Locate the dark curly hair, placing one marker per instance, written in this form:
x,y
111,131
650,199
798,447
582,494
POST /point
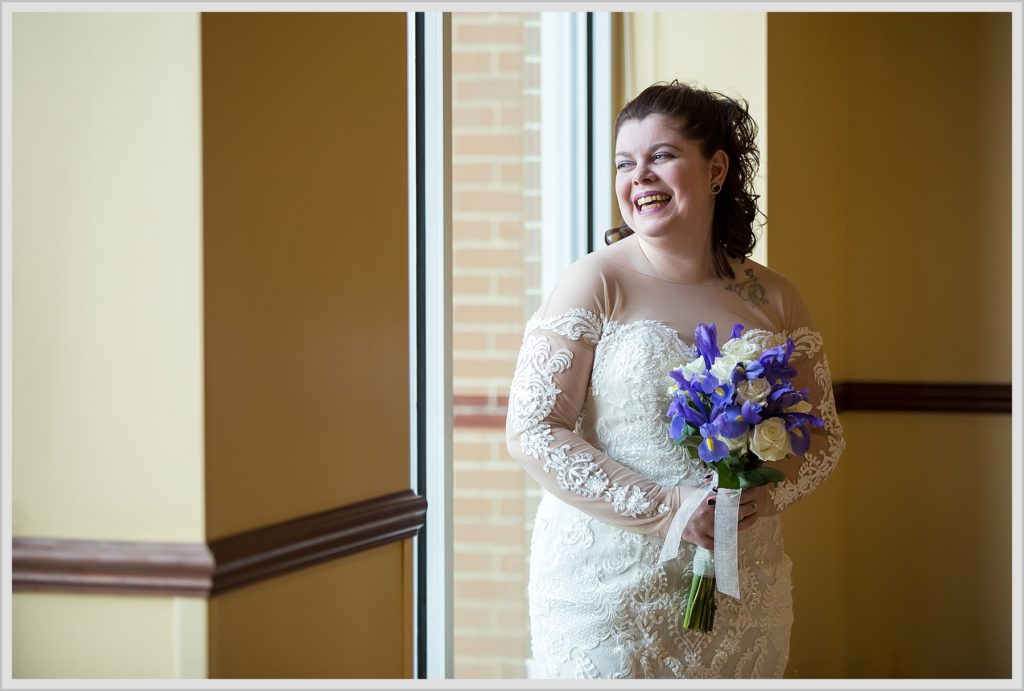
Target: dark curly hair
x,y
716,122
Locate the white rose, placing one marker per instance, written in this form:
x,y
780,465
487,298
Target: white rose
x,y
738,443
753,390
741,349
771,440
735,351
723,367
694,368
801,407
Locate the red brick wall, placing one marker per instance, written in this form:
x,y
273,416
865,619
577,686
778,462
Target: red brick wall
x,y
496,278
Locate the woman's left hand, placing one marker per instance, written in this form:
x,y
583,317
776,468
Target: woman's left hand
x,y
753,500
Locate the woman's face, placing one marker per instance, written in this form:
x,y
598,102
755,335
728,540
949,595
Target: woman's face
x,y
662,180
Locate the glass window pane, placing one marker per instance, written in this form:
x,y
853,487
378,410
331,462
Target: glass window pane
x,y
495,288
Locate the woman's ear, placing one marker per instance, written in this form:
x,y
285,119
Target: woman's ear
x,y
719,166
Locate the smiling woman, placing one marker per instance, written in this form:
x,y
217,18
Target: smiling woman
x,y
587,413
693,147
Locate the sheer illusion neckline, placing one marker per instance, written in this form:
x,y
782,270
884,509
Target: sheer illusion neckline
x,y
649,273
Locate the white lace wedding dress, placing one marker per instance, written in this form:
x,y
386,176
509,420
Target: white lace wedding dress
x,y
587,421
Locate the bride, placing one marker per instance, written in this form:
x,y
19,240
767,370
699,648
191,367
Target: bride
x,y
587,411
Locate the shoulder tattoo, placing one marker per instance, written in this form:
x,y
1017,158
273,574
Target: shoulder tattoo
x,y
750,290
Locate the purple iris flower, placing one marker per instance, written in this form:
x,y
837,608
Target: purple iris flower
x,y
678,404
706,340
678,425
681,408
712,449
708,383
775,362
677,376
694,409
737,330
799,439
721,394
735,420
694,388
782,397
747,370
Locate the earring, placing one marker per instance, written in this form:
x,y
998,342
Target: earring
x,y
715,188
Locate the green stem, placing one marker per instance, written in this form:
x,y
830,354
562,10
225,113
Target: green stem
x,y
700,607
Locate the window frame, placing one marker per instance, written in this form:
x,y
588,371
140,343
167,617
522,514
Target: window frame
x,y
430,253
576,53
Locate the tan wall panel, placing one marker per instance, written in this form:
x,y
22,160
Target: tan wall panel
x,y
930,189
928,536
912,553
891,212
814,531
344,619
304,164
808,185
894,193
106,241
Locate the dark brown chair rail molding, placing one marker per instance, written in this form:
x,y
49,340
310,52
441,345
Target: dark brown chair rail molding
x,y
935,397
94,566
275,549
159,568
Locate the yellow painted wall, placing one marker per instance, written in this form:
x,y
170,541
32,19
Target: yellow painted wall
x,y
721,51
106,248
107,326
306,291
58,635
891,197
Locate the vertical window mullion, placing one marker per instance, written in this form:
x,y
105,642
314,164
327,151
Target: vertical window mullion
x,y
417,305
430,155
601,144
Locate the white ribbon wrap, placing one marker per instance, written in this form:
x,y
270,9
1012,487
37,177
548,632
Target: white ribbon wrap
x,y
724,565
727,515
675,529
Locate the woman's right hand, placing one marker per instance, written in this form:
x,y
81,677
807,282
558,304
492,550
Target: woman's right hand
x,y
700,529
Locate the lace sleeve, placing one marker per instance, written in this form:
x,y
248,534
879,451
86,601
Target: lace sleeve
x,y
827,444
548,390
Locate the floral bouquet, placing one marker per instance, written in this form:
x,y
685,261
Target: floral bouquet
x,y
738,408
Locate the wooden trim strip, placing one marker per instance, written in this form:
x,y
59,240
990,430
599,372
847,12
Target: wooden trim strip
x,y
925,397
258,554
198,570
93,566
